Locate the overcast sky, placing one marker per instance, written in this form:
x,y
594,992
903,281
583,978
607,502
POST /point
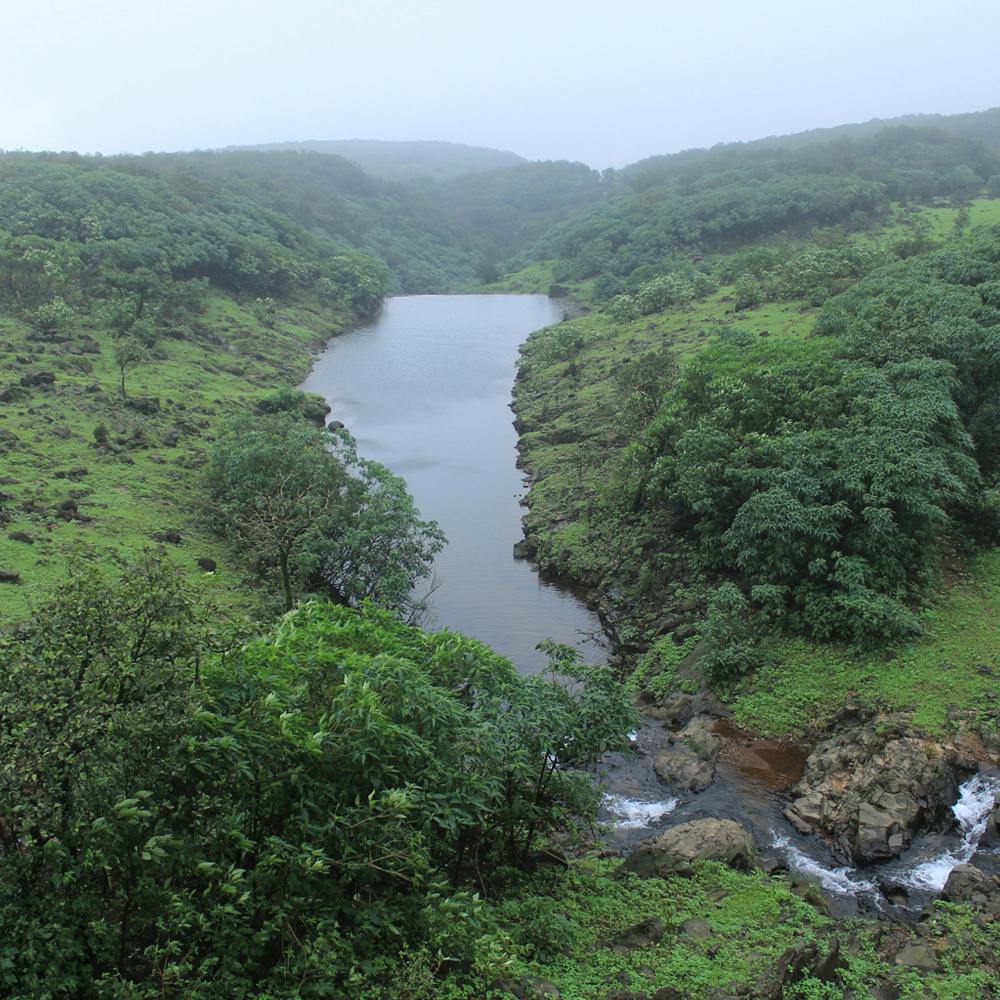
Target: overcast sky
x,y
603,82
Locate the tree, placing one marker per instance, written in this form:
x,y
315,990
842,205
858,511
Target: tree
x,y
301,499
382,547
130,352
273,484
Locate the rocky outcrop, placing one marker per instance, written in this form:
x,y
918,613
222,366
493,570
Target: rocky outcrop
x,y
871,788
677,850
975,885
688,765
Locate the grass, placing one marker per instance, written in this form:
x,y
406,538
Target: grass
x,y
561,926
951,674
145,484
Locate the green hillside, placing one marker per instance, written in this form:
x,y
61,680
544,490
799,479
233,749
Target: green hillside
x,y
405,161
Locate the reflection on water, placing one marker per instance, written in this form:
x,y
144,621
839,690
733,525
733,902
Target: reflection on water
x,y
425,389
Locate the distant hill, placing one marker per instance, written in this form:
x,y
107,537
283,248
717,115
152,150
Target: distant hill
x,y
406,161
982,127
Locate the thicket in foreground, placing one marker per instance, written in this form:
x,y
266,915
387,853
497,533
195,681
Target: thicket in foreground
x,y
186,813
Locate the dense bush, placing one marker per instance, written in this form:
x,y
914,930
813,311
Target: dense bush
x,y
824,471
300,501
188,815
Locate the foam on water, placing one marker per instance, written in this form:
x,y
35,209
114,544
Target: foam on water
x,y
972,811
633,814
844,881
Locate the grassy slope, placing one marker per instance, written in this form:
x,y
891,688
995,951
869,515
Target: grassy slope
x,y
571,409
145,487
562,926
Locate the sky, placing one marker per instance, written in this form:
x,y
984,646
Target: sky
x,y
605,83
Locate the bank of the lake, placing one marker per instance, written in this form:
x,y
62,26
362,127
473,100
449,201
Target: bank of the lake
x,y
425,389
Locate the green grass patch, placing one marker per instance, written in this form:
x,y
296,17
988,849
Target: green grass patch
x,y
949,674
147,482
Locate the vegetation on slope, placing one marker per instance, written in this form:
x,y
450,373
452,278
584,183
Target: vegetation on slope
x,y
743,447
138,311
406,161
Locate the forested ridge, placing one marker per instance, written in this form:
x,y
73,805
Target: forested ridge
x,y
233,762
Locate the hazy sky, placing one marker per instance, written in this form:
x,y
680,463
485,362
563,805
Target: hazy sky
x,y
604,82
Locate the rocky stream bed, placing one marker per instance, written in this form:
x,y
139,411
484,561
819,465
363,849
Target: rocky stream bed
x,y
882,820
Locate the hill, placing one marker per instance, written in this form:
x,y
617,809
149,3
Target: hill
x,y
405,161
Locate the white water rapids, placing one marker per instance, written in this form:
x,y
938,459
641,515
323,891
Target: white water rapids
x,y
976,800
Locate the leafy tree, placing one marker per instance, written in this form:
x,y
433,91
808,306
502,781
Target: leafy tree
x,y
188,813
130,353
273,485
304,503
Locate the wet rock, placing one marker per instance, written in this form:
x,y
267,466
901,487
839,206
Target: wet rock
x,y
870,789
148,405
918,956
525,549
978,888
991,835
335,425
676,851
36,380
684,770
528,988
689,765
895,892
207,565
21,536
641,935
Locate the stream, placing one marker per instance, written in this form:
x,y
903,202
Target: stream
x,y
425,388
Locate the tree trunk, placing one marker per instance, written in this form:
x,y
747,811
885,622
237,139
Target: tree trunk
x,y
286,583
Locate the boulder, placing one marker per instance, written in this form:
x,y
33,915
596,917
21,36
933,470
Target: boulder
x,y
528,988
171,535
207,565
918,956
978,888
9,576
14,394
642,935
678,849
697,928
684,770
525,549
871,788
689,764
148,405
36,380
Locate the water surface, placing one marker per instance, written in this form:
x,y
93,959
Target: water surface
x,y
425,389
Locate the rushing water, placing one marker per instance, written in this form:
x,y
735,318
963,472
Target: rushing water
x,y
425,389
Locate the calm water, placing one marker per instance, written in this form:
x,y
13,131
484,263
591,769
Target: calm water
x,y
425,389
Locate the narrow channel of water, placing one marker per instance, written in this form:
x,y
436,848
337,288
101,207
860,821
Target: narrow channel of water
x,y
425,389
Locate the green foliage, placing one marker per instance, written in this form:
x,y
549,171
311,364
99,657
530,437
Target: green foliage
x,y
301,501
827,470
727,633
111,234
655,670
189,814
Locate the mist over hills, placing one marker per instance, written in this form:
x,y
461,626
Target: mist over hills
x,y
404,161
